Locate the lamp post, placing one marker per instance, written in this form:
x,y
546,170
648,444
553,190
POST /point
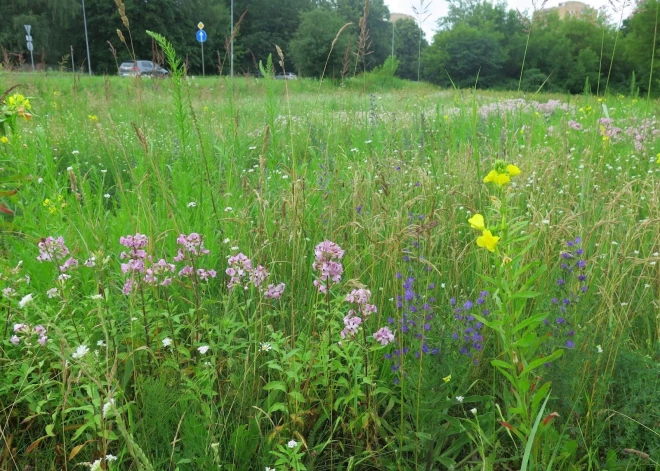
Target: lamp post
x,y
89,63
231,42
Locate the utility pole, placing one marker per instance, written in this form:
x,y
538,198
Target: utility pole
x,y
231,42
73,64
30,47
89,63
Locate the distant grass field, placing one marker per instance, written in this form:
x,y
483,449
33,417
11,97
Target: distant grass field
x,y
165,367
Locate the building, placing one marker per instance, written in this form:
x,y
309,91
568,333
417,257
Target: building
x,y
394,17
570,9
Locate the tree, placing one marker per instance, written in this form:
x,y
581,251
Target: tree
x,y
642,40
314,41
462,54
406,41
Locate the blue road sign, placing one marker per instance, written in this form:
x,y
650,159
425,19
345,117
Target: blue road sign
x,y
201,35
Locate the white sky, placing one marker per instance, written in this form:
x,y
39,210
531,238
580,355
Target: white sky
x,y
438,8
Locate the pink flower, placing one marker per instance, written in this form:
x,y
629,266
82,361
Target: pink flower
x,y
327,256
71,263
42,340
384,335
166,282
186,271
274,292
361,297
40,329
20,327
128,287
51,249
351,325
258,275
15,340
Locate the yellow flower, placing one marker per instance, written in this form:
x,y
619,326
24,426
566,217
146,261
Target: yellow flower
x,y
5,140
17,101
658,156
487,240
502,179
477,222
512,170
447,379
92,117
490,177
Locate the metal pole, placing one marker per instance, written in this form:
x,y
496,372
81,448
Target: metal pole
x,y
203,73
73,64
231,42
89,63
32,59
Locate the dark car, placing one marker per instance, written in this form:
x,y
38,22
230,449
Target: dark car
x,y
143,68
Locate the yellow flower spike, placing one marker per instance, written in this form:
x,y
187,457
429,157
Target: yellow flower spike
x,y
447,379
491,176
512,170
477,222
658,156
5,140
502,179
488,241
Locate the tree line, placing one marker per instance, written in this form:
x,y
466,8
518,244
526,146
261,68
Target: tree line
x,y
477,43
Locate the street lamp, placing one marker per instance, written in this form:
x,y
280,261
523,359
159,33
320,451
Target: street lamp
x,y
89,63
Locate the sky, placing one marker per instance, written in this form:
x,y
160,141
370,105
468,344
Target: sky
x,y
438,8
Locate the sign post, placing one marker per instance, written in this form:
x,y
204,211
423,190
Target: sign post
x,y
30,47
201,37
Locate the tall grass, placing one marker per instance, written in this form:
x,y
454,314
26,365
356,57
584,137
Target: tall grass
x,y
271,169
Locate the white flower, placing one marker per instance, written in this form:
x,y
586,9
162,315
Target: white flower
x,y
167,342
203,349
100,343
133,319
234,247
8,292
25,301
80,352
268,468
108,406
226,241
96,465
106,196
599,349
292,444
69,169
368,142
104,171
40,180
192,204
96,297
110,458
546,221
252,148
474,411
459,398
265,346
52,293
75,152
228,209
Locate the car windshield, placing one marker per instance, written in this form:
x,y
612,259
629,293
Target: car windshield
x,y
126,64
146,64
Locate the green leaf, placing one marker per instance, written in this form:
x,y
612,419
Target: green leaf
x,y
542,361
275,385
49,430
526,340
502,364
534,320
525,295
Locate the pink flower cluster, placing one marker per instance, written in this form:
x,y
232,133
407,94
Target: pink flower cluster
x,y
52,250
353,319
26,331
242,273
327,263
384,336
161,272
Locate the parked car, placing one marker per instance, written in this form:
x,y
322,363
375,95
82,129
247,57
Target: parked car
x,y
287,76
143,68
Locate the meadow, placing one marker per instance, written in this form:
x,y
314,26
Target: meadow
x,y
206,274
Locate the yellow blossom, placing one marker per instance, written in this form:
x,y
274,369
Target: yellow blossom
x,y
4,140
447,379
490,177
19,101
92,117
512,170
658,156
502,179
477,222
487,240
502,173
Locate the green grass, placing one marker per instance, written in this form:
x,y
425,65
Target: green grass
x,y
274,168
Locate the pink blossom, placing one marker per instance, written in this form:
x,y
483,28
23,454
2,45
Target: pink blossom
x,y
15,340
128,287
186,271
351,324
327,256
51,249
274,292
71,263
384,335
166,282
42,340
20,327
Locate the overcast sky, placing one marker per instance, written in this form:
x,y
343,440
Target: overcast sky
x,y
438,8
